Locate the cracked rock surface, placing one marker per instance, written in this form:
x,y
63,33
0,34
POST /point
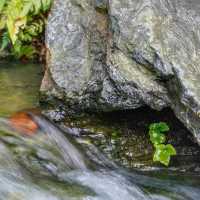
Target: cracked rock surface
x,y
119,55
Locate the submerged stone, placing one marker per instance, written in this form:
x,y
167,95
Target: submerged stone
x,y
123,137
135,53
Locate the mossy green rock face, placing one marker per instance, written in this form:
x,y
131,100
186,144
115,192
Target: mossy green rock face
x,y
118,55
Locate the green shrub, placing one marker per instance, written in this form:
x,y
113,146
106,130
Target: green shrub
x,y
163,152
21,23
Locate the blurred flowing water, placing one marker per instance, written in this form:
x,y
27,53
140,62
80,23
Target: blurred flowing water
x,y
49,164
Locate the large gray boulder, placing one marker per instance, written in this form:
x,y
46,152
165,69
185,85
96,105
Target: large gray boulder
x,y
124,54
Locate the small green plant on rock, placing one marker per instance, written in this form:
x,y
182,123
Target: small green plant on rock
x,y
163,152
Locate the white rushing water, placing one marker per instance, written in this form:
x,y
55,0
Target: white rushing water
x,y
51,166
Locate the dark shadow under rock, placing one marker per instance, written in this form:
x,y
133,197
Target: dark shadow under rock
x,y
123,137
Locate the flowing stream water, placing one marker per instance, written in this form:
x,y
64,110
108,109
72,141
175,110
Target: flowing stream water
x,y
47,163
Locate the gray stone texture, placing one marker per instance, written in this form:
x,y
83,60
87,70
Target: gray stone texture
x,y
124,54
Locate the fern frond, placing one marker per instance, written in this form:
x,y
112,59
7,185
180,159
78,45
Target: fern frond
x,y
24,21
5,40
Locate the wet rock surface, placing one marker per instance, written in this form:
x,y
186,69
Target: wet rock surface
x,y
119,55
123,137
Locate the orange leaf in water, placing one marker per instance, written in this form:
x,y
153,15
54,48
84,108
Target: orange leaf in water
x,y
23,123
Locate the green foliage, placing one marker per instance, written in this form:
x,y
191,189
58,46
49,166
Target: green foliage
x,y
163,152
156,132
21,22
20,50
2,3
5,40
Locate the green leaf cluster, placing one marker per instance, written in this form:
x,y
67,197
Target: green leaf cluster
x,y
22,21
163,152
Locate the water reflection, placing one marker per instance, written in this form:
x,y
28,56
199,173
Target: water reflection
x,y
19,86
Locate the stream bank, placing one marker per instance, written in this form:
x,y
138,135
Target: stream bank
x,y
41,163
123,137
